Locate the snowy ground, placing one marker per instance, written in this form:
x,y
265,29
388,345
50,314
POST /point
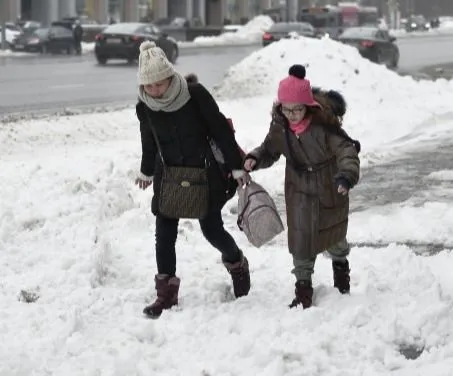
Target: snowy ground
x,y
76,237
250,33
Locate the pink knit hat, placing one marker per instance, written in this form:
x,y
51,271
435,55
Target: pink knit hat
x,y
295,88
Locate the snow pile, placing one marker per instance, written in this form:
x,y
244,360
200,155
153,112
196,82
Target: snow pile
x,y
446,25
251,32
6,53
10,35
380,101
86,49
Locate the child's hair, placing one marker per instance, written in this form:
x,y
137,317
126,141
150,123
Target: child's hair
x,y
191,78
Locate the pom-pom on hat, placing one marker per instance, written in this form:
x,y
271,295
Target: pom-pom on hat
x,y
296,88
153,65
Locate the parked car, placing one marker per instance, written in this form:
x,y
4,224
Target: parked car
x,y
56,39
373,43
122,41
30,26
281,30
84,20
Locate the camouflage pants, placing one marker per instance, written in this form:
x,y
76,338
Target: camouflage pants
x,y
303,269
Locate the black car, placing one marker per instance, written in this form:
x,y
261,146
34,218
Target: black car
x,y
281,30
56,39
373,43
122,41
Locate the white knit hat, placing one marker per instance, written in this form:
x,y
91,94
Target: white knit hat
x,y
153,65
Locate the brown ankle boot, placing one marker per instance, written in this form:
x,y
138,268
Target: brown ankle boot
x,y
304,294
341,277
240,275
167,295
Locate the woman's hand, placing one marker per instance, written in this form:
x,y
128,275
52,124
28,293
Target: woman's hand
x,y
144,181
242,177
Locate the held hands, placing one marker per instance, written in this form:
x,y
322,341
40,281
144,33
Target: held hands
x,y
249,164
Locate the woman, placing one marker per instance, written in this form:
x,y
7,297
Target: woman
x,y
322,165
183,118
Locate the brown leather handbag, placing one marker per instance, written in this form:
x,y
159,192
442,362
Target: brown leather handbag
x,y
184,191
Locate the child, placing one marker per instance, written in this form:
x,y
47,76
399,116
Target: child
x,y
322,165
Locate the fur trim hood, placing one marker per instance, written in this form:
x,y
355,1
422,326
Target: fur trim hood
x,y
330,100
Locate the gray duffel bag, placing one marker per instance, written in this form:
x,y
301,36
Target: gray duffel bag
x,y
258,216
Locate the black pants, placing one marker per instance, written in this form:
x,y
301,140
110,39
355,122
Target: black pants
x,y
213,231
78,46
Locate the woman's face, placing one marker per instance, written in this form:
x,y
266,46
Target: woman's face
x,y
158,89
294,112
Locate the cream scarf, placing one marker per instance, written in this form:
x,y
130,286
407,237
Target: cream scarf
x,y
176,96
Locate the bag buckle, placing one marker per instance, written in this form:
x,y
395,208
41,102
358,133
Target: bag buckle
x,y
185,184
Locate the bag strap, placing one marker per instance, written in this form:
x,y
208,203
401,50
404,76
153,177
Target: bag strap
x,y
193,91
159,147
156,139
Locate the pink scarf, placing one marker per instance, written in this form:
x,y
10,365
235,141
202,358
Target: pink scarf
x,y
300,127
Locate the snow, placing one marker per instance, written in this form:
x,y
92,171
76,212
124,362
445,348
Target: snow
x,y
250,33
77,238
10,35
86,48
377,225
441,175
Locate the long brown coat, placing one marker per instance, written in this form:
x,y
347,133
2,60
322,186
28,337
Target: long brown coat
x,y
317,215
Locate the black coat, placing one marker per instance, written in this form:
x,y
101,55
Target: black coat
x,y
183,136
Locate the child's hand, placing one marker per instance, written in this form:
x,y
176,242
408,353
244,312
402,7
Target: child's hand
x,y
343,190
249,164
343,186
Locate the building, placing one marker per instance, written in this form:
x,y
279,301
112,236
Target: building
x,y
45,11
210,12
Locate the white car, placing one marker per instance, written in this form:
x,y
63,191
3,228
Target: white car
x,y
10,35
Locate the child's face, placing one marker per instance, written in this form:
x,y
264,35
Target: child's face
x,y
294,112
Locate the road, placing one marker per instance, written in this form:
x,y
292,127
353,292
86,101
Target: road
x,y
50,84
416,53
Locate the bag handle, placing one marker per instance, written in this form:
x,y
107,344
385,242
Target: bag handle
x,y
247,204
